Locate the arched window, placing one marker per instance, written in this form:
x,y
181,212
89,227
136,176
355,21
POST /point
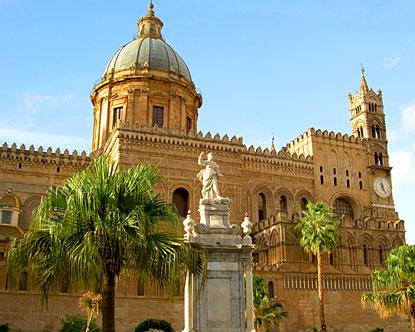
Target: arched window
x,y
283,203
303,203
365,255
381,256
271,289
262,206
373,132
380,159
181,201
9,210
342,208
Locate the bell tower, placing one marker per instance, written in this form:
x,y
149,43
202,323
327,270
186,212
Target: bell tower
x,y
367,120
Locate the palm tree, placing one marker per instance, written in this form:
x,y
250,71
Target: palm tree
x,y
393,290
268,314
101,223
318,228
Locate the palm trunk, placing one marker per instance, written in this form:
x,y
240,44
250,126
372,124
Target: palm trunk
x,y
320,291
412,314
108,305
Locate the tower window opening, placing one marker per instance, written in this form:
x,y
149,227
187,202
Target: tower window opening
x,y
377,132
376,159
20,165
271,289
116,115
348,183
373,132
188,124
361,132
283,203
380,159
335,181
360,175
331,258
321,168
360,185
58,169
158,116
321,179
347,172
334,171
262,206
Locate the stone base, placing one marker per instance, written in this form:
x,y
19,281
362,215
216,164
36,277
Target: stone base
x,y
214,213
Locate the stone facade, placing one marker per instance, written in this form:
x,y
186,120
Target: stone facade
x,y
145,111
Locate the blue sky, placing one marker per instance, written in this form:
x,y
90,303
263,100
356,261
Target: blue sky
x,y
268,68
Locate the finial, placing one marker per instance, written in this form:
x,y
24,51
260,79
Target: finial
x,y
150,11
272,144
362,69
246,225
363,84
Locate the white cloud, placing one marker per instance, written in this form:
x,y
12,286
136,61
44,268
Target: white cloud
x,y
35,100
408,117
20,136
403,163
392,62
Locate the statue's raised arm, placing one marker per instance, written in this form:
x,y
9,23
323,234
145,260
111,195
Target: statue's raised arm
x,y
209,176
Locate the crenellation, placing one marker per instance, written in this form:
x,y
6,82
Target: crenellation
x,y
39,156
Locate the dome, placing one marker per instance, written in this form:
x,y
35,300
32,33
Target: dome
x,y
148,50
149,53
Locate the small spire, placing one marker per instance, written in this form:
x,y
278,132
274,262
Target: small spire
x,y
273,145
150,25
363,84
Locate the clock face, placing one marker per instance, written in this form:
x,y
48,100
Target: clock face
x,y
382,187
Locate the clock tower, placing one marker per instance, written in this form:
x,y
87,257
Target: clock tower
x,y
367,119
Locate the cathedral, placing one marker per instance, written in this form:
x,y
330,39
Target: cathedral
x,y
145,110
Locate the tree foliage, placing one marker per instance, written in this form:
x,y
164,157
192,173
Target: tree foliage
x,y
393,290
268,314
318,228
100,224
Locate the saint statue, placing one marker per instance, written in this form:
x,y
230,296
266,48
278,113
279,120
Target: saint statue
x,y
209,176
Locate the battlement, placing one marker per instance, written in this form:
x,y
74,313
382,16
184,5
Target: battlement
x,y
208,141
330,137
39,155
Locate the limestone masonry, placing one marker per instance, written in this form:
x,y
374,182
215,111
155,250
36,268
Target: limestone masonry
x,y
145,110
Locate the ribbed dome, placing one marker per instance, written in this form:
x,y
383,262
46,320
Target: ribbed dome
x,y
148,52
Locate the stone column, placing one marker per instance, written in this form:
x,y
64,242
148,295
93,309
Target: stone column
x,y
249,299
188,304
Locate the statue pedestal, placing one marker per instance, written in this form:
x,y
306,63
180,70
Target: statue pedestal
x,y
222,302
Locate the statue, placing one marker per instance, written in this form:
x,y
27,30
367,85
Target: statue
x,y
209,176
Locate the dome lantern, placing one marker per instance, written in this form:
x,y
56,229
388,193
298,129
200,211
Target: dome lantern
x,y
150,25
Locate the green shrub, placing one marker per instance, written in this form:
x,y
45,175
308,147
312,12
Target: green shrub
x,y
4,328
75,323
154,324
